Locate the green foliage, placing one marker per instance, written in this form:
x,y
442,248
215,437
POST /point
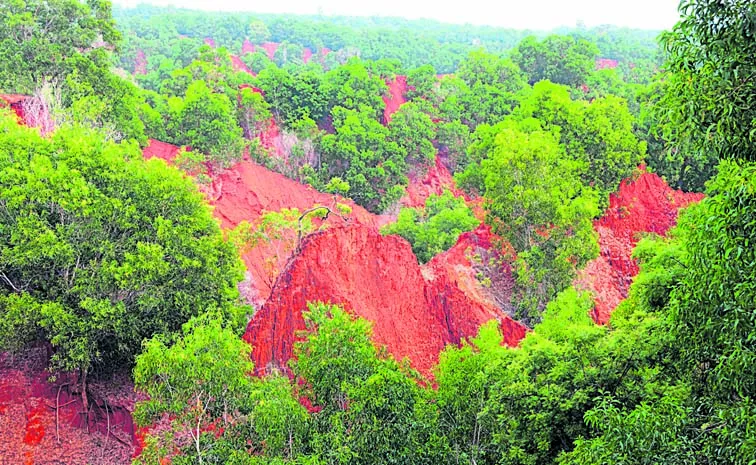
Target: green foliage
x,y
294,96
452,139
354,87
108,248
598,134
206,121
362,154
197,377
421,80
524,405
372,410
435,228
710,105
487,88
687,170
712,308
40,37
559,59
651,433
413,132
537,202
62,45
202,380
252,113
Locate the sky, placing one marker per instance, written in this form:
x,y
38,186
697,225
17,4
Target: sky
x,y
518,14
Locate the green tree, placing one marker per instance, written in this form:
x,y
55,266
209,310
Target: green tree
x,y
598,134
207,122
108,248
258,32
201,377
492,85
362,154
537,202
559,59
353,86
711,311
434,228
414,132
683,169
709,106
372,409
421,80
252,112
40,37
524,405
452,139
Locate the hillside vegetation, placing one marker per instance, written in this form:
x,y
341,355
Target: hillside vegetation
x,y
428,215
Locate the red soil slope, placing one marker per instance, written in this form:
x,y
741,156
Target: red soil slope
x,y
395,97
644,205
436,180
324,53
415,312
457,264
15,102
270,48
238,65
306,55
157,149
246,191
27,417
209,41
247,47
271,139
606,63
140,63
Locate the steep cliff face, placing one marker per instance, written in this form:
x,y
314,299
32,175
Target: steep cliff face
x,y
395,97
415,311
644,205
245,192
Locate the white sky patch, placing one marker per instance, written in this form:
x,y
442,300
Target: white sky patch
x,y
517,14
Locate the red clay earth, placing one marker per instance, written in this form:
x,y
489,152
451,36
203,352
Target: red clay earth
x,y
324,53
270,48
271,139
238,65
247,47
416,311
606,63
15,102
395,98
140,63
27,417
209,41
644,205
247,190
306,55
436,180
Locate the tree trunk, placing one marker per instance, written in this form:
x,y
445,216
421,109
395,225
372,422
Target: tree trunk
x,y
84,398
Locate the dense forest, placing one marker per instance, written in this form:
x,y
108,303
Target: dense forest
x,y
116,264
